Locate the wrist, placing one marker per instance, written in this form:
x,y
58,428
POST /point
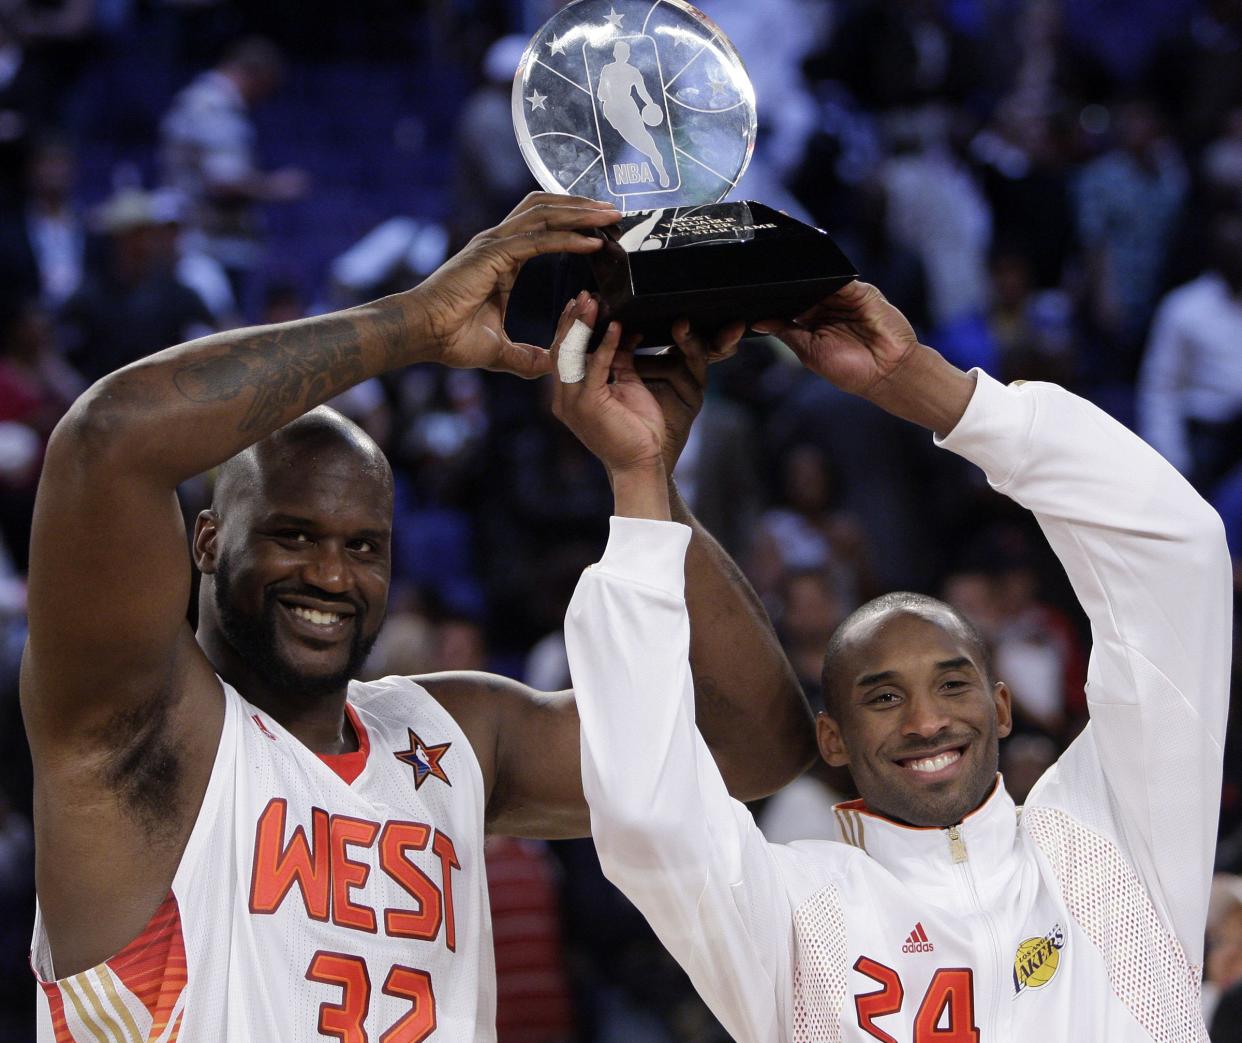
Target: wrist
x,y
925,389
423,342
641,491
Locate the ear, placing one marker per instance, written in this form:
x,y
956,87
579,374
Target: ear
x,y
206,535
831,744
1004,708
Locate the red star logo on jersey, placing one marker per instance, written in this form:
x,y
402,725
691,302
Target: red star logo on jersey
x,y
424,759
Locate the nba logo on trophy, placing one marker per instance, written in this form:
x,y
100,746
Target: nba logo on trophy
x,y
634,136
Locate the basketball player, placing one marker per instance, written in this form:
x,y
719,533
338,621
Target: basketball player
x,y
617,82
945,914
234,841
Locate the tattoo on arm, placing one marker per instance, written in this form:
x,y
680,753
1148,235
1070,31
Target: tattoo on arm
x,y
291,367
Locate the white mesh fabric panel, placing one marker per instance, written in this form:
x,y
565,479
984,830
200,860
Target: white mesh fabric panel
x,y
819,968
1146,965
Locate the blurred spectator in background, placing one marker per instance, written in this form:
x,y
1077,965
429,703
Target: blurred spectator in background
x,y
24,104
870,246
208,153
1190,386
812,603
1222,161
1033,330
491,173
192,266
1035,647
532,986
1128,202
808,532
43,246
718,473
1025,180
396,254
134,305
36,389
1199,70
898,55
1023,760
1222,966
937,210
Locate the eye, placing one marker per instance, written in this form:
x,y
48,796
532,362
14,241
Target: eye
x,y
955,685
293,537
365,546
882,699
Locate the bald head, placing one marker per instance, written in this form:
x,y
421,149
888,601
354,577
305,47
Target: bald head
x,y
296,449
836,676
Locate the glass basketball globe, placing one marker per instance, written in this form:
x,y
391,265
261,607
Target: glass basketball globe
x,y
642,103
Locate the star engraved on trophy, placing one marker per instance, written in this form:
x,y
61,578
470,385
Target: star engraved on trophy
x,y
657,115
647,104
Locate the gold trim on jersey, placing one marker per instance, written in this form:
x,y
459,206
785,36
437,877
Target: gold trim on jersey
x,y
852,827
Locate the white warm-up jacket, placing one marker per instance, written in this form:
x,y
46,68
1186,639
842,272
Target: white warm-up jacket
x,y
1078,917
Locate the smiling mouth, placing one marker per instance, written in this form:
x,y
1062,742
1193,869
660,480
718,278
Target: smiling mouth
x,y
935,763
311,615
930,764
314,622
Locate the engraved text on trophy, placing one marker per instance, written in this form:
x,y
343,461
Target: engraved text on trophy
x,y
631,116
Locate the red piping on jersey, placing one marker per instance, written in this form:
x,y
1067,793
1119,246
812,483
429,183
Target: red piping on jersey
x,y
152,968
349,765
858,805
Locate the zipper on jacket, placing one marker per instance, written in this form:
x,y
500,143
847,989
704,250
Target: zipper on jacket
x,y
957,851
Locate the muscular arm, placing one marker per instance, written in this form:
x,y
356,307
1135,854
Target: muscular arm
x,y
122,709
118,700
109,582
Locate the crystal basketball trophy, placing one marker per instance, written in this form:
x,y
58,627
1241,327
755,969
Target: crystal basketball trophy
x,y
645,104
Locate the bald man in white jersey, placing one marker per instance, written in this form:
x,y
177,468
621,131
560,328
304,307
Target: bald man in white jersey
x,y
944,914
236,841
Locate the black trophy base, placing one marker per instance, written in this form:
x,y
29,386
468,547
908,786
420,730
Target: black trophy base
x,y
713,264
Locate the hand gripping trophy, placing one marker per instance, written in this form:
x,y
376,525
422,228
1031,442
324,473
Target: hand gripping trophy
x,y
646,104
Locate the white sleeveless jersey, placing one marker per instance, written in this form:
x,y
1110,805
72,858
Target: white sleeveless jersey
x,y
339,898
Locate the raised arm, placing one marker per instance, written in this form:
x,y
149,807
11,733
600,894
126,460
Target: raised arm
x,y
119,701
666,830
748,702
1147,560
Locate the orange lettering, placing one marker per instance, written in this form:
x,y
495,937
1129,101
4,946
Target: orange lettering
x,y
348,874
277,866
443,846
424,922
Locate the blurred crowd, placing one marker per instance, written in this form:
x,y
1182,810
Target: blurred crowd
x,y
1049,190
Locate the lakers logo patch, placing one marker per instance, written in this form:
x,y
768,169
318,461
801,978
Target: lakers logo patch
x,y
1037,959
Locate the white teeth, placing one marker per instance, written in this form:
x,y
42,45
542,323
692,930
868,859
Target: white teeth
x,y
930,764
312,615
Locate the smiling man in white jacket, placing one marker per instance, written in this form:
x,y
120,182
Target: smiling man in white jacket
x,y
944,914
